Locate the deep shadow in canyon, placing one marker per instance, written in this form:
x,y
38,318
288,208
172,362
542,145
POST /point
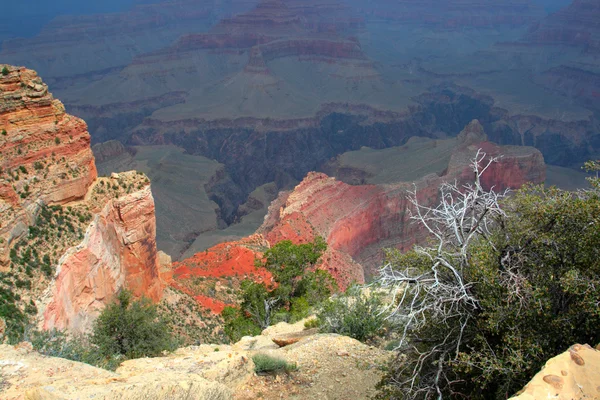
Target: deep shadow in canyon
x,y
229,102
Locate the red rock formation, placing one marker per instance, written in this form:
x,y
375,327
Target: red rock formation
x,y
46,154
354,219
119,250
327,16
46,159
268,16
273,25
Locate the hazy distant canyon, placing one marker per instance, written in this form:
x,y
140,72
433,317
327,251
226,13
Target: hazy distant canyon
x,y
225,104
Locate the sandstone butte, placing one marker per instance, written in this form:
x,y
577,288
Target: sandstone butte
x,y
356,220
46,160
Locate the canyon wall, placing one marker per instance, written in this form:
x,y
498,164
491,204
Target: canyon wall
x,y
118,251
46,154
454,14
69,240
357,221
104,42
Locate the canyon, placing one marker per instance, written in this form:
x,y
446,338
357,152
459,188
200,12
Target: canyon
x,y
227,108
257,94
357,221
219,129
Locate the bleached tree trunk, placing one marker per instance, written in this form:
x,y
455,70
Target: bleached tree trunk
x,y
442,293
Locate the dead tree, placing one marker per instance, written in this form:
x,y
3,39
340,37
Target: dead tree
x,y
441,293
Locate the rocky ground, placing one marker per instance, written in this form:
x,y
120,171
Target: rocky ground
x,y
574,374
329,367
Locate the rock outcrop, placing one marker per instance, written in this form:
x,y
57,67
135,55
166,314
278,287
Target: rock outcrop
x,y
69,239
118,250
328,365
358,220
46,154
574,374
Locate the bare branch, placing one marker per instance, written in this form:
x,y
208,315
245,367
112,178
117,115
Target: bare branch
x,y
442,293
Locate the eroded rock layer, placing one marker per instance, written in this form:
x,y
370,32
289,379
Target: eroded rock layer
x,y
574,29
118,250
456,14
45,153
108,41
358,220
69,241
575,25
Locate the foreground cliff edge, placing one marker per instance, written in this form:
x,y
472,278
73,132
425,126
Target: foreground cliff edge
x,y
68,239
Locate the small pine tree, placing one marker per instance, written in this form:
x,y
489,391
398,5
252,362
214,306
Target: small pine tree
x,y
5,71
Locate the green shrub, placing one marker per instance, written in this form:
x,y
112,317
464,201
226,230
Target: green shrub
x,y
300,309
56,140
15,319
535,275
4,132
311,323
56,343
353,314
237,325
266,364
298,288
5,71
131,329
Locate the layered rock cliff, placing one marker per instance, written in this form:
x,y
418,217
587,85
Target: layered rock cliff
x,y
455,14
574,25
46,154
107,41
117,251
68,240
357,221
574,29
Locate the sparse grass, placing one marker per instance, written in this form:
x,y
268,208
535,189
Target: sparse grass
x,y
311,323
266,364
